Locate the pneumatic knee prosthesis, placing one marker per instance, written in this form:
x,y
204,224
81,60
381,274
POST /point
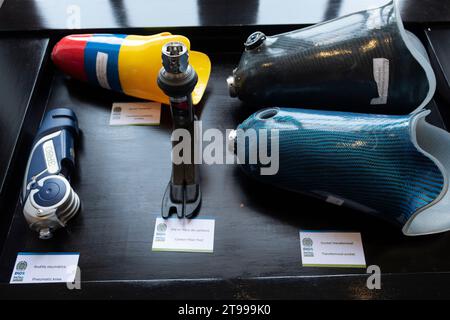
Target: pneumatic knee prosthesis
x,y
48,198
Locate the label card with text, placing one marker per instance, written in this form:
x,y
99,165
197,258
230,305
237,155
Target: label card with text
x,y
48,267
184,235
332,249
135,113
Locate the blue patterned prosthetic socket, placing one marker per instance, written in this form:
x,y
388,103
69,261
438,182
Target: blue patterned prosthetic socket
x,y
369,162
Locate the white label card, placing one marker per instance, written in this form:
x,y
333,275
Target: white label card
x,y
101,69
135,113
332,249
49,267
184,235
381,76
335,200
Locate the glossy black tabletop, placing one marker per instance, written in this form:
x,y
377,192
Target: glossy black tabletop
x,y
20,63
21,68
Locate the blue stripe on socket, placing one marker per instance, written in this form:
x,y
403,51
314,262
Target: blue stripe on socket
x,y
101,58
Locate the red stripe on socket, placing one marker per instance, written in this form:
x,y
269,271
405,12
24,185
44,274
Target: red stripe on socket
x,y
68,55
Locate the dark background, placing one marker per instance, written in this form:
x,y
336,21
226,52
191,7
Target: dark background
x,y
20,15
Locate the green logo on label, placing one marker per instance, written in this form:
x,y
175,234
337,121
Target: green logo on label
x,y
162,227
307,242
21,265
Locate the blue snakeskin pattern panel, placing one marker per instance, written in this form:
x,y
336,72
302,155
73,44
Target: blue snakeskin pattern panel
x,y
367,160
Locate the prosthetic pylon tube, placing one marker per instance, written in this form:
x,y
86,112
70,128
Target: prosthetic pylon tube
x,y
363,62
393,167
177,79
125,63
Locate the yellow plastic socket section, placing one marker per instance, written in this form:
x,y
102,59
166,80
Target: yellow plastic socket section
x,y
140,62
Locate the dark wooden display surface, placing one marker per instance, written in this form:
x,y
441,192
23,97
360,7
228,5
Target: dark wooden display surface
x,y
21,68
121,176
16,90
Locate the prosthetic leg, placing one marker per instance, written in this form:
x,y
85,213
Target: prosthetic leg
x,y
177,79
